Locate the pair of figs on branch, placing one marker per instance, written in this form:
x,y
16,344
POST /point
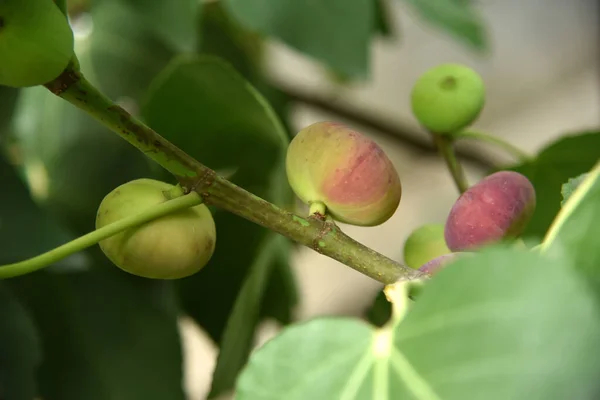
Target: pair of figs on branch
x,y
326,163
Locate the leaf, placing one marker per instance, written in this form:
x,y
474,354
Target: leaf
x,y
222,36
384,24
59,152
173,21
105,334
238,338
203,106
335,32
281,294
456,17
567,157
25,229
123,53
493,326
568,188
8,100
575,232
380,311
20,353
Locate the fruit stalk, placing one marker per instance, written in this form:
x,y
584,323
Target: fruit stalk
x,y
322,236
92,238
519,154
445,145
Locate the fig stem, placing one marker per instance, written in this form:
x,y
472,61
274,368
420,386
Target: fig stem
x,y
516,152
397,294
321,236
445,145
317,208
92,238
174,192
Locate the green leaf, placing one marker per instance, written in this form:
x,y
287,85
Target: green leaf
x,y
59,150
455,17
238,339
8,100
336,32
223,36
492,326
575,232
105,335
380,311
281,294
26,230
203,106
20,353
567,157
384,24
123,53
173,21
568,188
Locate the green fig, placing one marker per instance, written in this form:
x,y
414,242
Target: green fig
x,y
448,98
170,247
424,244
36,42
349,173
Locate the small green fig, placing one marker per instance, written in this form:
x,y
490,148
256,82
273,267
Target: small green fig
x,y
330,163
424,244
448,98
36,42
170,247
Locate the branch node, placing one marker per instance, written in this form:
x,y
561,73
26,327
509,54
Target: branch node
x,y
64,81
318,243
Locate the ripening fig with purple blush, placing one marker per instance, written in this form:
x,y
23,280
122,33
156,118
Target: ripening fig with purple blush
x,y
498,207
350,174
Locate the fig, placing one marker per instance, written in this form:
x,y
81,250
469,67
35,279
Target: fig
x,y
435,265
448,98
498,207
170,247
36,42
331,164
425,244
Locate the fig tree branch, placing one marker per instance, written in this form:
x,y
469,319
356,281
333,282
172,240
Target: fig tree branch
x,y
324,237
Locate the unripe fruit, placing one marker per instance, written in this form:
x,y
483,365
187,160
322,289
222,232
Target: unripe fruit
x,y
36,42
435,265
330,163
170,247
425,244
448,98
498,207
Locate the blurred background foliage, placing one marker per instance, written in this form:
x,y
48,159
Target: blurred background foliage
x,y
194,71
